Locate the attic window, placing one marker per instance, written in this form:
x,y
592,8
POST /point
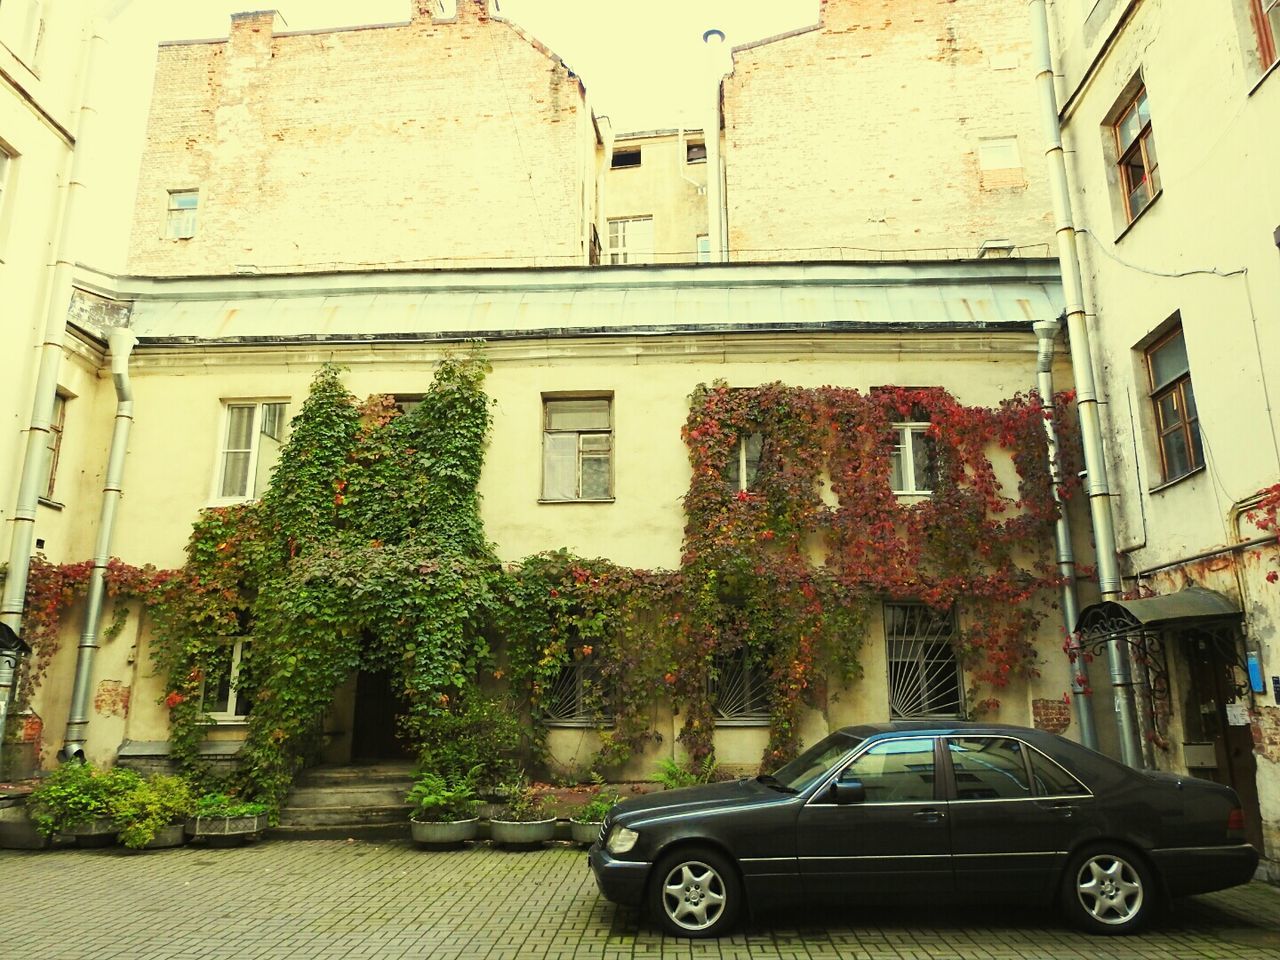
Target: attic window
x,y
695,152
626,158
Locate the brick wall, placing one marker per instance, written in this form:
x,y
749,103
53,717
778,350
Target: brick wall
x,y
865,133
450,143
1051,715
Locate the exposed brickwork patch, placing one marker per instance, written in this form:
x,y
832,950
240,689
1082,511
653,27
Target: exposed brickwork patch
x,y
1051,715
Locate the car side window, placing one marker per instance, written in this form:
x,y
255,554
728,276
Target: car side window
x,y
1051,780
895,771
989,768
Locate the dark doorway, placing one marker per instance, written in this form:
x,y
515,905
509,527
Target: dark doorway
x,y
1219,696
373,731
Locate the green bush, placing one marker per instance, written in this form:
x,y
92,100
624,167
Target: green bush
x,y
672,776
598,807
153,804
76,794
523,804
481,743
224,805
435,799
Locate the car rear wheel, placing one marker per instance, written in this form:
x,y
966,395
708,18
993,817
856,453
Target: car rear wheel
x,y
1108,890
695,893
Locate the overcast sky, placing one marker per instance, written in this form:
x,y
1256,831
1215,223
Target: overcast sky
x,y
639,60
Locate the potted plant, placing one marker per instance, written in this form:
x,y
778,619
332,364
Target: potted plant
x,y
523,822
223,820
80,801
151,816
444,813
584,825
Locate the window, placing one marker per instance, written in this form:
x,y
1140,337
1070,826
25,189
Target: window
x,y
913,466
181,224
226,696
704,248
577,699
895,771
1265,16
250,448
1177,424
989,768
739,690
54,447
577,449
1136,148
695,152
625,158
631,240
21,27
1051,780
924,675
744,464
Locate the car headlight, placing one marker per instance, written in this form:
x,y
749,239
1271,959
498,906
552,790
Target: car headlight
x,y
621,840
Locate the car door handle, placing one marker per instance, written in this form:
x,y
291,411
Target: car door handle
x,y
929,816
1065,810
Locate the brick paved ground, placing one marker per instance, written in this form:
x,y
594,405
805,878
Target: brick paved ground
x,y
323,899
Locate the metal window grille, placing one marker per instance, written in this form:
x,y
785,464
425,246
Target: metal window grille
x,y
577,698
739,689
924,674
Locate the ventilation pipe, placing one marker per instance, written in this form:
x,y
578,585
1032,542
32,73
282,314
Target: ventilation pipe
x,y
1104,537
1046,331
22,534
120,342
720,65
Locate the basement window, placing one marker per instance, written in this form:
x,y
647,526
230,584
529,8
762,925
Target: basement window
x,y
625,158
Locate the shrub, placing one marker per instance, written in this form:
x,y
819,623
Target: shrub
x,y
672,776
598,807
153,804
524,804
76,794
224,805
480,743
436,799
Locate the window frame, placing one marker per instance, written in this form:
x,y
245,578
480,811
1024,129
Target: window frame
x,y
255,446
904,449
626,156
53,447
743,478
1188,428
548,430
1142,147
618,253
754,689
920,642
1264,18
702,247
584,673
691,151
237,645
180,221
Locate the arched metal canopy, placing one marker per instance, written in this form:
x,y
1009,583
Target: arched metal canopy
x,y
1191,606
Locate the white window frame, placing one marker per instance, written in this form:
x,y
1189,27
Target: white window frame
x,y
229,715
619,251
255,446
745,475
908,435
582,452
703,241
180,220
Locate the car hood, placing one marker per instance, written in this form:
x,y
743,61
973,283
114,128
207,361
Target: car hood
x,y
686,800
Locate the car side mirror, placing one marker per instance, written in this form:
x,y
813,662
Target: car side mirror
x,y
849,791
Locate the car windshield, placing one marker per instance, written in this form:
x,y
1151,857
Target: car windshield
x,y
814,762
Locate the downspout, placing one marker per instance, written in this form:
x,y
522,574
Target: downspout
x,y
1099,494
121,342
22,535
720,65
1046,331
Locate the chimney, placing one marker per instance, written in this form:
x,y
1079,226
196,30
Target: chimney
x,y
251,32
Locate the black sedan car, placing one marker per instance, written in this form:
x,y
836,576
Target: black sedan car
x,y
925,812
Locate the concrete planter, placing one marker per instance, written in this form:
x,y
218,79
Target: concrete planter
x,y
17,832
174,835
528,834
226,831
446,833
584,832
95,833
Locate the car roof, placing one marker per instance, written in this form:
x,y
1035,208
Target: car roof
x,y
940,727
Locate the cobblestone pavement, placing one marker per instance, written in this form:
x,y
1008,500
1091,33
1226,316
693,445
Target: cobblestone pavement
x,y
324,899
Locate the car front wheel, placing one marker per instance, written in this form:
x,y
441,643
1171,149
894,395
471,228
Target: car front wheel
x,y
695,893
1108,890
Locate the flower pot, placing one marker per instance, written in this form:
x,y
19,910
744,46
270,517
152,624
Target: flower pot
x,y
95,833
174,835
226,831
443,833
513,833
584,832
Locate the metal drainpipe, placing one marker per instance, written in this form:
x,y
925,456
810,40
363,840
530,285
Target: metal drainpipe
x,y
121,342
1104,537
1046,331
720,65
22,535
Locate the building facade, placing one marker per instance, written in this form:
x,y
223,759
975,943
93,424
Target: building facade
x,y
1182,273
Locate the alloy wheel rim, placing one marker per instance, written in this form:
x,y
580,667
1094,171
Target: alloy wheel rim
x,y
1109,889
693,895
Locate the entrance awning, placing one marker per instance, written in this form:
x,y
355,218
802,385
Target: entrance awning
x,y
1188,607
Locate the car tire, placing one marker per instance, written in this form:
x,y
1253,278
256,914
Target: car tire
x,y
696,892
1108,889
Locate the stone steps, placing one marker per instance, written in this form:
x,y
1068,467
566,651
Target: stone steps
x,y
361,801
